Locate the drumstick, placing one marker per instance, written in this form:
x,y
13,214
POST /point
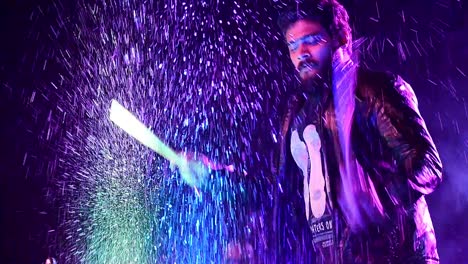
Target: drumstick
x,y
135,128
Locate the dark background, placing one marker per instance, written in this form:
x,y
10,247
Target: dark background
x,y
438,76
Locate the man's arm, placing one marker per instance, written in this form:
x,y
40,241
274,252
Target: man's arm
x,y
404,130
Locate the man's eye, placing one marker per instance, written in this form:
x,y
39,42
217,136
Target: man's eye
x,y
293,45
312,39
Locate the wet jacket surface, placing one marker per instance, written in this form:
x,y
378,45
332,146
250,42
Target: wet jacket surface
x,y
396,156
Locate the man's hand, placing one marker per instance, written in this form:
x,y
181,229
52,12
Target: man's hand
x,y
194,173
196,168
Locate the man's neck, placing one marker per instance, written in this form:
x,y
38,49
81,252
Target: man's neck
x,y
317,93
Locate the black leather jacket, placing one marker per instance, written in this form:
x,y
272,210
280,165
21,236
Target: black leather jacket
x,y
398,158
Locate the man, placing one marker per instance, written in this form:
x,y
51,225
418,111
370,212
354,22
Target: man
x,y
361,146
354,160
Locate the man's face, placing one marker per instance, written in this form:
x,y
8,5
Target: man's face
x,y
310,49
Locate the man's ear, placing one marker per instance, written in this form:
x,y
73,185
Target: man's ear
x,y
339,40
344,38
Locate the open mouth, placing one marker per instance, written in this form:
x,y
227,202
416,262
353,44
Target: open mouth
x,y
308,66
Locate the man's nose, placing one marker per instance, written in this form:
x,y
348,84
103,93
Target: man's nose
x,y
303,56
304,53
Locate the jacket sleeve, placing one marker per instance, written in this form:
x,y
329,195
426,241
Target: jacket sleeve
x,y
404,131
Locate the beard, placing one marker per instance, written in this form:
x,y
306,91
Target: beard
x,y
318,87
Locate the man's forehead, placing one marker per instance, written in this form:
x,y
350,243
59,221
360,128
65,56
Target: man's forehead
x,y
302,28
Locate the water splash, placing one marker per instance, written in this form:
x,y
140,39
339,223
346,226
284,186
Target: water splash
x,y
199,79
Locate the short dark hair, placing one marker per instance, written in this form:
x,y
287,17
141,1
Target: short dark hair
x,y
329,13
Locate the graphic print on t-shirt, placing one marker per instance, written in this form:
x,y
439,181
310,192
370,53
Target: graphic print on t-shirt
x,y
306,152
307,157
